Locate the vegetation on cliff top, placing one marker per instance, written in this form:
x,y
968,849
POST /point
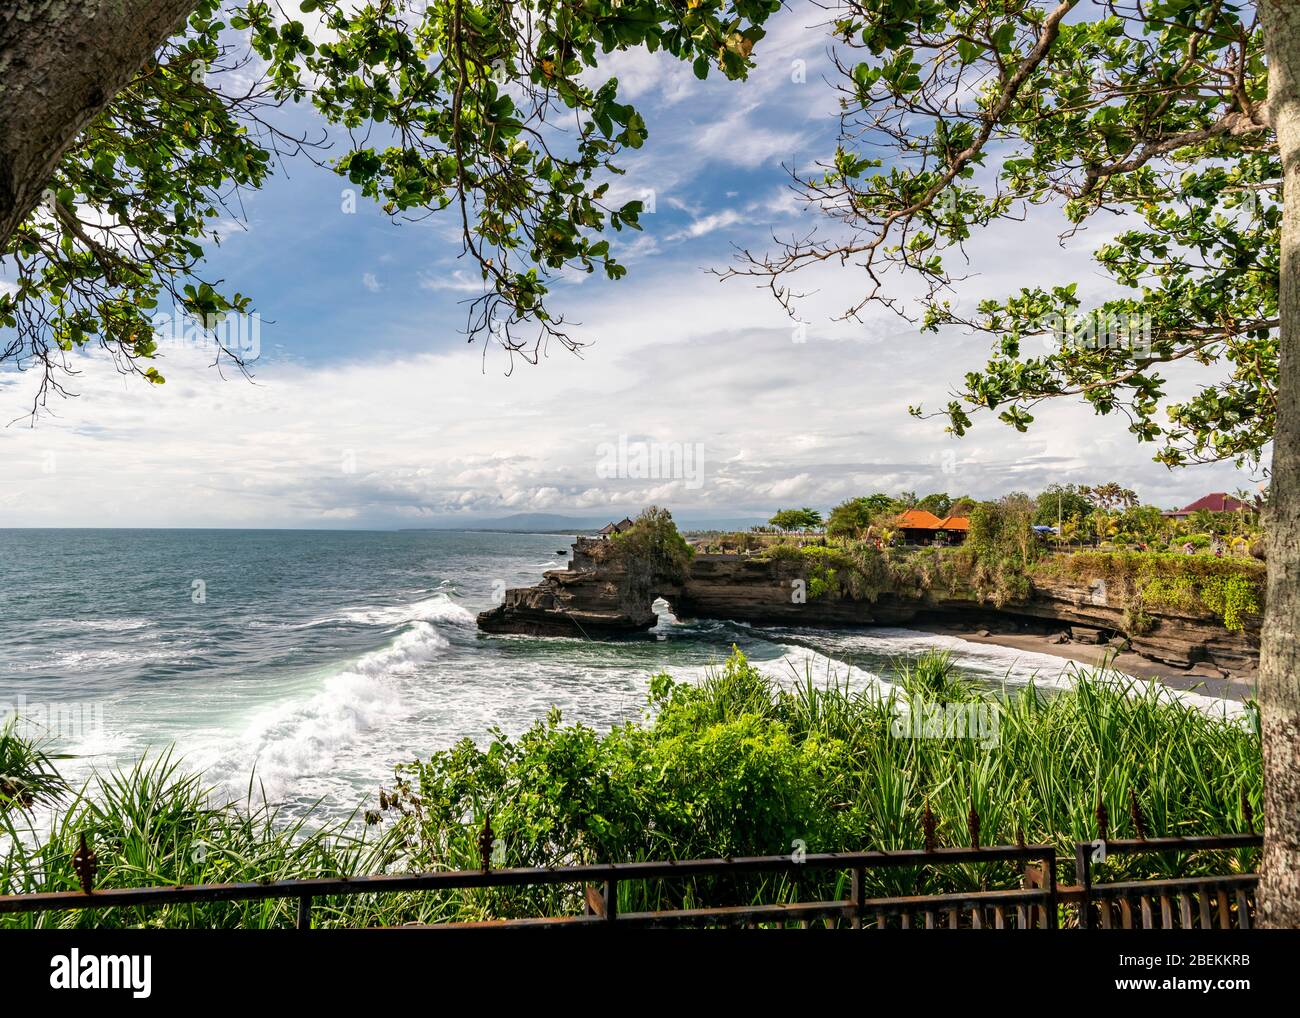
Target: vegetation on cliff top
x,y
1230,588
653,548
1103,515
1003,557
993,564
736,764
650,554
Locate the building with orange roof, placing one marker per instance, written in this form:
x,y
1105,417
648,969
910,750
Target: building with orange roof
x,y
919,526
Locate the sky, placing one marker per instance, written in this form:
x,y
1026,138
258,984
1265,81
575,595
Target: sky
x,y
367,407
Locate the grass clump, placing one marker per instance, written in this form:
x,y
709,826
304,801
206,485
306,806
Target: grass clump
x,y
155,824
27,773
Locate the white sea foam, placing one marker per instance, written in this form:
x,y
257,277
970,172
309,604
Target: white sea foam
x,y
81,661
795,665
438,608
1018,667
303,738
799,663
96,625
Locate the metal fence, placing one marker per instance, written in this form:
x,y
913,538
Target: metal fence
x,y
1218,901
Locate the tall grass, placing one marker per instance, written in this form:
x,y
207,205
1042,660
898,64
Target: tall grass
x,y
734,764
155,824
27,772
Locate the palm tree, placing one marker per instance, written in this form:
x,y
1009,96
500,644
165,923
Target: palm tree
x,y
1203,520
1103,525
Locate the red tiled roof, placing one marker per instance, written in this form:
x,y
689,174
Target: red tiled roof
x,y
919,519
1215,502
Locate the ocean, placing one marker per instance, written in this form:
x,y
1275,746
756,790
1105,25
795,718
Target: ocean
x,y
313,661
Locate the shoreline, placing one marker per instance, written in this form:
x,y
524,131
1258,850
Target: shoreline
x,y
1202,678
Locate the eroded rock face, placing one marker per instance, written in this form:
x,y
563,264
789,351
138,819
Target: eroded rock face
x,y
1181,640
590,598
596,598
568,604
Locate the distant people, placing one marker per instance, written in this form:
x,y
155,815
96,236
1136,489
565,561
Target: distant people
x,y
1188,548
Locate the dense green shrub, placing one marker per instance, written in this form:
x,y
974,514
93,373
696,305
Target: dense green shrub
x,y
1000,549
1231,597
919,572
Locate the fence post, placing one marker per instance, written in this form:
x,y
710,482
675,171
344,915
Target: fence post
x,y
304,912
858,892
611,900
1083,870
1049,862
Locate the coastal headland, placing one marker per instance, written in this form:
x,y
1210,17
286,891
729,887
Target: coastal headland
x,y
1089,607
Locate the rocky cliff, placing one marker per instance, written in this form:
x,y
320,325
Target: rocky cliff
x,y
594,597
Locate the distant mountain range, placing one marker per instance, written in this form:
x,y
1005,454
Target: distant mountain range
x,y
555,523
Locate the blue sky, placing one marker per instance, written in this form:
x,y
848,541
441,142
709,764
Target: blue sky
x,y
368,409
713,166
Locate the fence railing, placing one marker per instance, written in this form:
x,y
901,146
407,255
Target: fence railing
x,y
1040,903
1221,901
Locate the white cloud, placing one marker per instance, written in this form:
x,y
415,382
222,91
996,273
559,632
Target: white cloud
x,y
641,74
458,281
742,140
428,437
708,224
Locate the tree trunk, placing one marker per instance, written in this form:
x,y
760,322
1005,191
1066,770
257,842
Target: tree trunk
x,y
61,63
1279,673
